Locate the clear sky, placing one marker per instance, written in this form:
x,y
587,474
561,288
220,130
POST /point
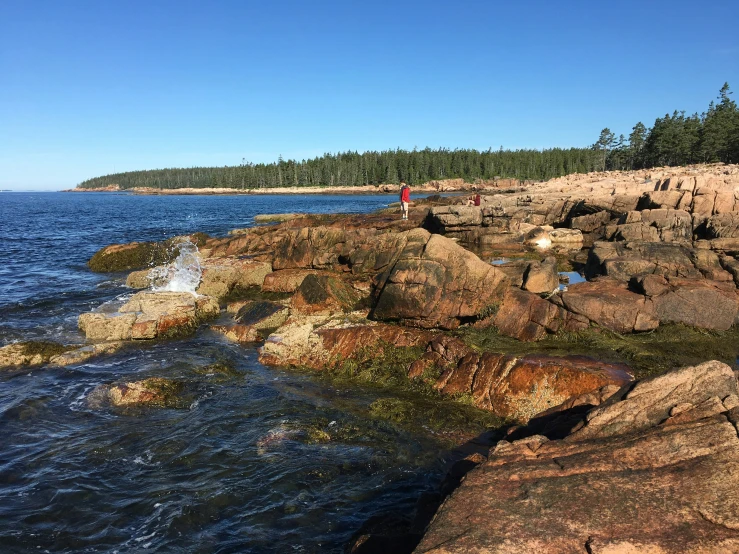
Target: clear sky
x,y
96,87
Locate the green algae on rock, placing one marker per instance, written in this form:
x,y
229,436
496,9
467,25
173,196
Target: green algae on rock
x,y
140,255
31,353
652,353
154,391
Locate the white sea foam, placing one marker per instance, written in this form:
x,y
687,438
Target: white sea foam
x,y
182,275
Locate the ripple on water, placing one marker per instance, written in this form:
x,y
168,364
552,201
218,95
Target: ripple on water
x,y
79,477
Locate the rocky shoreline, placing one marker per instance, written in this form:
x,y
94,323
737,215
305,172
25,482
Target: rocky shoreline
x,y
418,304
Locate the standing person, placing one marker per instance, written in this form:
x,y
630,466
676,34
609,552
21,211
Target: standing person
x,y
405,198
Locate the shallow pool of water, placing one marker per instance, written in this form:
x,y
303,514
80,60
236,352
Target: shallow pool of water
x,y
572,277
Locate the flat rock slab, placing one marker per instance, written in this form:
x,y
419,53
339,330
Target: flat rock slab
x,y
610,304
149,315
655,469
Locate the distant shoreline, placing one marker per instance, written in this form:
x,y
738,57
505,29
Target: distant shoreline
x,y
446,186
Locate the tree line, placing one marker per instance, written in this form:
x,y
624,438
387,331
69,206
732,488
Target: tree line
x,y
368,168
674,139
677,139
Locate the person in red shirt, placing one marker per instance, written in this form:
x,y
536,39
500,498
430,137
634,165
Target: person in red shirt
x,y
405,198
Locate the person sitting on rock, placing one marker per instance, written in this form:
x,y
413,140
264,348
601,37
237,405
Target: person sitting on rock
x,y
405,198
474,200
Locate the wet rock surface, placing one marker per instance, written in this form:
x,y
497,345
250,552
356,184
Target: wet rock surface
x,y
140,255
154,391
149,315
30,353
262,314
319,341
514,387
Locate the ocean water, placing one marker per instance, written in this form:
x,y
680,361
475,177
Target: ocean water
x,y
235,468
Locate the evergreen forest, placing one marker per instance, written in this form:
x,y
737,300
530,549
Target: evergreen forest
x,y
673,140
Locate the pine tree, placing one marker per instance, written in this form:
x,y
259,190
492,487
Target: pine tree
x,y
604,144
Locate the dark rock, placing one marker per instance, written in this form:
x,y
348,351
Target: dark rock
x,y
30,353
262,314
324,294
140,255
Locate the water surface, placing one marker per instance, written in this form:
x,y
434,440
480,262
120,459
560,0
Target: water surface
x,y
254,460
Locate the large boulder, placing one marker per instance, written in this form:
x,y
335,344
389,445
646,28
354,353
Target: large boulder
x,y
314,247
445,219
634,231
698,303
725,225
541,277
360,243
731,265
655,225
709,201
593,225
654,469
434,282
532,275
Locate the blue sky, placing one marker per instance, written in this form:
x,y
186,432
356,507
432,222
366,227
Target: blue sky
x,y
96,87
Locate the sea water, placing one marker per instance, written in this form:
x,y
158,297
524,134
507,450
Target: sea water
x,y
231,470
